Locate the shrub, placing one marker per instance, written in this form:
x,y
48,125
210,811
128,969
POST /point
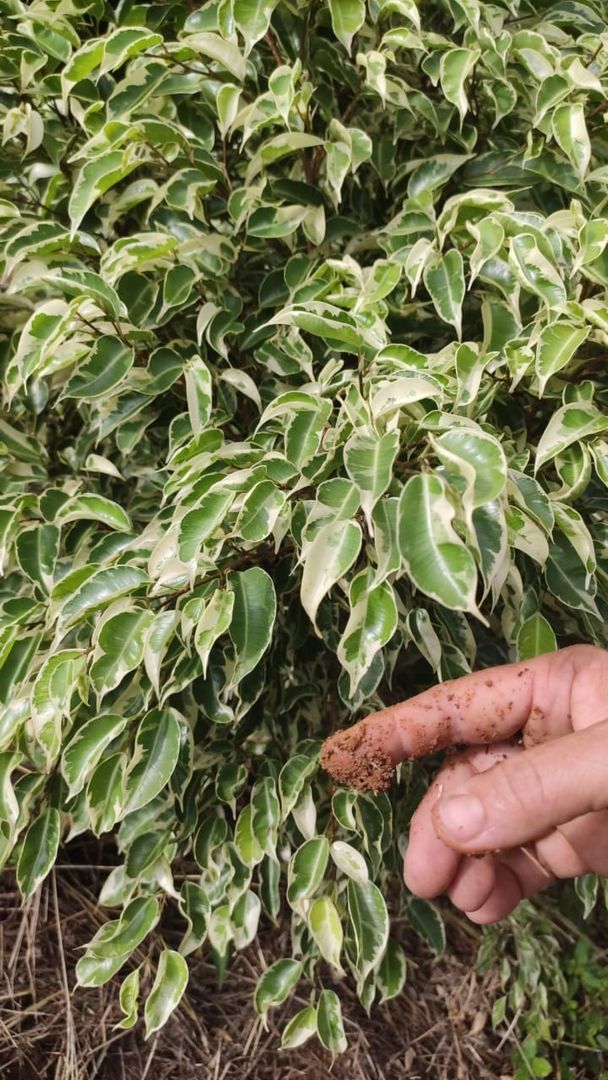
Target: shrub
x,y
304,350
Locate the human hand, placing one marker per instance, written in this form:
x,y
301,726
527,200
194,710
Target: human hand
x,y
531,812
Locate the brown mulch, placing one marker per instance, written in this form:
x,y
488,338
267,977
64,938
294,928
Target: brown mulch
x,y
438,1029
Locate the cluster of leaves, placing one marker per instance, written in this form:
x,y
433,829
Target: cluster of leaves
x,y
557,981
304,327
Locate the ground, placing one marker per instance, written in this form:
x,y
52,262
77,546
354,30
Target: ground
x,y
438,1029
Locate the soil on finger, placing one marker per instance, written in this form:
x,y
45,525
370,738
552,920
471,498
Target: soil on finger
x,y
353,757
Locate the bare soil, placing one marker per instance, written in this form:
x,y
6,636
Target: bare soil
x,y
438,1029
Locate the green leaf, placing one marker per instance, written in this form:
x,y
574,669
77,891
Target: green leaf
x,y
455,67
349,861
557,345
100,589
479,459
568,577
253,616
167,991
490,237
369,920
369,461
223,52
38,850
292,778
535,272
427,921
433,172
279,146
570,131
436,559
392,971
220,936
94,179
230,780
105,54
444,280
385,519
51,697
347,18
124,43
158,637
329,556
304,432
534,637
499,1011
371,624
307,868
265,818
275,985
87,747
22,446
259,512
37,550
94,971
94,508
531,496
156,751
245,919
568,425
300,1028
198,393
337,330
119,649
593,238
128,998
274,222
121,936
227,102
9,806
215,621
573,467
196,909
586,888
326,929
408,387
81,64
105,368
200,524
270,895
490,531
105,794
330,1028
246,842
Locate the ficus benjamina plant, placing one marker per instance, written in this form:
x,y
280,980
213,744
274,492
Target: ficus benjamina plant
x,y
303,337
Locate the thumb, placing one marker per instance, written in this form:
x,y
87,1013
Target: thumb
x,y
526,796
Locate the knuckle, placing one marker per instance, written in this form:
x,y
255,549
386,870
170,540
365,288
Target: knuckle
x,y
518,786
585,654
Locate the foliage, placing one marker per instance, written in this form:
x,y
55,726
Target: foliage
x,y
304,334
553,976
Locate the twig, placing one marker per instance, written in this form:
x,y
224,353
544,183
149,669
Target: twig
x,y
350,108
274,48
150,1058
70,1053
225,166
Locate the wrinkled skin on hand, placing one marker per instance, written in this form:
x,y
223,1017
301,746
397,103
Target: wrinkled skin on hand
x,y
540,805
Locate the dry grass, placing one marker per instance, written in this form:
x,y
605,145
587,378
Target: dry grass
x,y
437,1030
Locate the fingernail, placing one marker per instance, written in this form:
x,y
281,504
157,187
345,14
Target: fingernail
x,y
463,816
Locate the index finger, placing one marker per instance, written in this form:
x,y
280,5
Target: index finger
x,y
484,707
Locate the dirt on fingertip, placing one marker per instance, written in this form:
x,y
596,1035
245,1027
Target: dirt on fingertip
x,y
353,758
